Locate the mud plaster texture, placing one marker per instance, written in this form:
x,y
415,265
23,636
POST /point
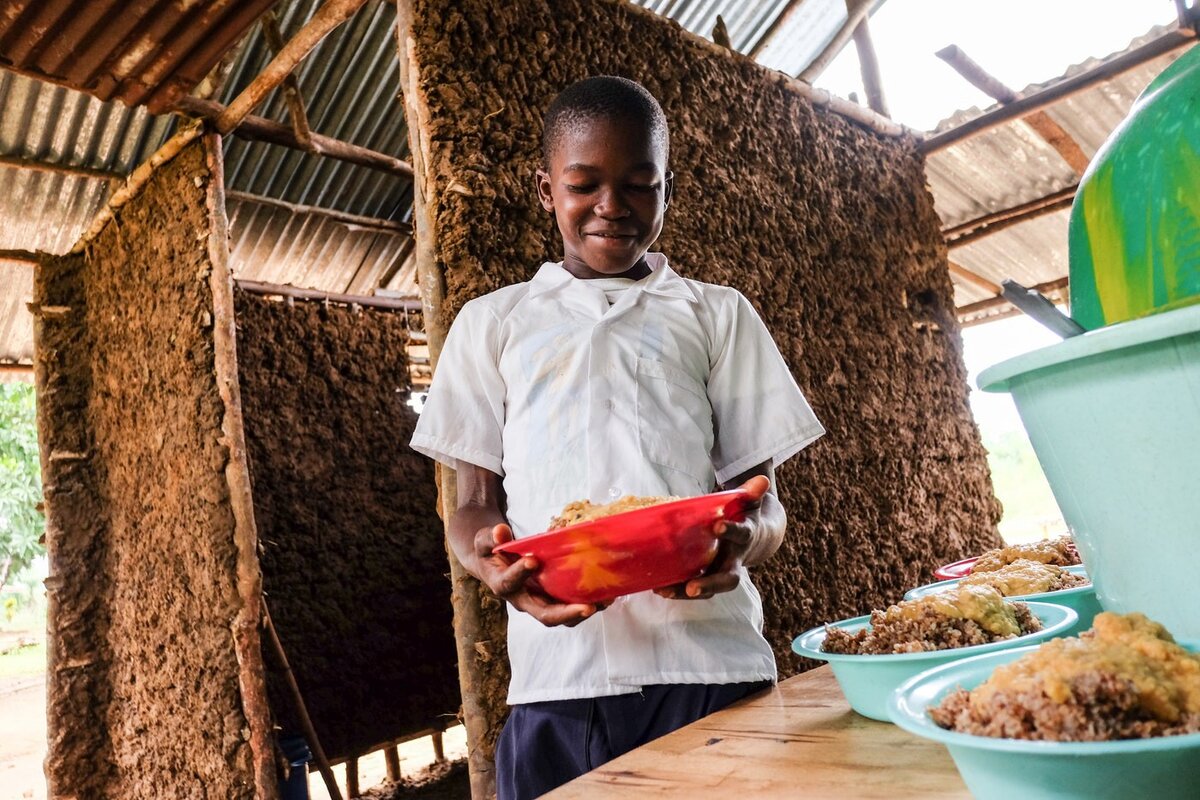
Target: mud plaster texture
x,y
827,228
351,547
143,685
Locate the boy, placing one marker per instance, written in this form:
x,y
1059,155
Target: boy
x,y
609,375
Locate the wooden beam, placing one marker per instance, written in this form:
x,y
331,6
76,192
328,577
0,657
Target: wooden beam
x,y
1168,42
26,256
781,20
391,763
278,290
1043,125
310,733
10,368
1050,288
291,86
328,17
977,228
75,171
856,11
354,220
264,130
869,67
974,278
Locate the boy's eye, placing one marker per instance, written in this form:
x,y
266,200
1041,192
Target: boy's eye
x,y
579,188
643,187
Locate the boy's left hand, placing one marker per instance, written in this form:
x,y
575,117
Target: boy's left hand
x,y
723,575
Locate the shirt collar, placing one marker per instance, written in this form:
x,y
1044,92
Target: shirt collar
x,y
662,280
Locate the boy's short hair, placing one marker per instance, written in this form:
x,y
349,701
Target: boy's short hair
x,y
608,97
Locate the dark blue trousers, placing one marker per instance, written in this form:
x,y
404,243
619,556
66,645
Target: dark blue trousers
x,y
544,745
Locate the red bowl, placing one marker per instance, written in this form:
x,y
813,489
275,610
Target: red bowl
x,y
959,569
630,552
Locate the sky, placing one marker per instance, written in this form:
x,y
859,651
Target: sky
x,y
1017,41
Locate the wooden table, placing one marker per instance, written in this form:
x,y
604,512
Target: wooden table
x,y
800,739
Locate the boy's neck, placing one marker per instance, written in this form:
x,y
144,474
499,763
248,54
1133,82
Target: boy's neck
x,y
583,272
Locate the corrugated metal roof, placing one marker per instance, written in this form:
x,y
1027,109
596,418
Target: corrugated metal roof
x,y
1010,165
150,52
16,323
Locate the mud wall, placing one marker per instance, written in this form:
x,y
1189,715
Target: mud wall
x,y
145,694
826,227
353,560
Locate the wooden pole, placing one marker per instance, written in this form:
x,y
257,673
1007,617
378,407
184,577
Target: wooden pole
x,y
976,229
439,747
332,14
470,627
265,130
1041,122
18,369
391,762
972,277
781,20
353,220
869,66
274,289
1168,42
26,256
291,86
310,732
856,11
352,777
37,165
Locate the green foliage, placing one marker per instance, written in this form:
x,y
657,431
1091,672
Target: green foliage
x,y
1030,511
21,524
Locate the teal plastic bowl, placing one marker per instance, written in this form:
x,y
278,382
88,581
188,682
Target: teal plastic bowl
x,y
1164,768
868,681
1080,598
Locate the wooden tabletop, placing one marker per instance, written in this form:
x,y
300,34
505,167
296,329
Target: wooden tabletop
x,y
800,739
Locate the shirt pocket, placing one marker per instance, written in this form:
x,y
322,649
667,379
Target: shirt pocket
x,y
674,419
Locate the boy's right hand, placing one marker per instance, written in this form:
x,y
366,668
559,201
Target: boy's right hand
x,y
509,581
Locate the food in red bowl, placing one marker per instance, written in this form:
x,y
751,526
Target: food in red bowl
x,y
602,558
1059,551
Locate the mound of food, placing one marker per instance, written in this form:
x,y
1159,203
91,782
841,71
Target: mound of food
x,y
1060,551
585,510
964,616
1023,577
1126,678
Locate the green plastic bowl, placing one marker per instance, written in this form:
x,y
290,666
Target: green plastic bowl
x,y
1080,598
1165,768
868,681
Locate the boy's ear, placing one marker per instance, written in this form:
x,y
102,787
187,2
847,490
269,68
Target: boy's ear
x,y
668,188
545,195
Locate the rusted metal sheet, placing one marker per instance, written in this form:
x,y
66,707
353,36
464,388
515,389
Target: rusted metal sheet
x,y
142,52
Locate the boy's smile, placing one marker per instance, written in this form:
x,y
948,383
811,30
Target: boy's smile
x,y
608,188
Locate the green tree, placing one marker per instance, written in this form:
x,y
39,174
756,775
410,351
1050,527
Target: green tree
x,y
21,522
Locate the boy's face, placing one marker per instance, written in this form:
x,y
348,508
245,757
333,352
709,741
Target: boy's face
x,y
608,187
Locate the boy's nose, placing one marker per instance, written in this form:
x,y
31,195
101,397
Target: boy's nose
x,y
610,206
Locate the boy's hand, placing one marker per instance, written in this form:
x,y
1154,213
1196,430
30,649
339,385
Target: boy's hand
x,y
509,581
723,575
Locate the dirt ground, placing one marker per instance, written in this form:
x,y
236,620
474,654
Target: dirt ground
x,y
22,737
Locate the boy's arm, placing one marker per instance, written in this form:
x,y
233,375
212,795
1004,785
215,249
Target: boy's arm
x,y
477,526
749,542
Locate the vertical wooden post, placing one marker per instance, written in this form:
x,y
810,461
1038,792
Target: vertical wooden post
x,y
869,65
439,747
352,777
469,627
391,761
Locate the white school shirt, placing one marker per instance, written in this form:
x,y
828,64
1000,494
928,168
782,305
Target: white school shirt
x,y
673,389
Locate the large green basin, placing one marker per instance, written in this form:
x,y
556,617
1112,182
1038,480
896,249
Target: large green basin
x,y
1114,417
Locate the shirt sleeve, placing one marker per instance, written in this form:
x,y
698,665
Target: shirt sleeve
x,y
463,416
759,413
